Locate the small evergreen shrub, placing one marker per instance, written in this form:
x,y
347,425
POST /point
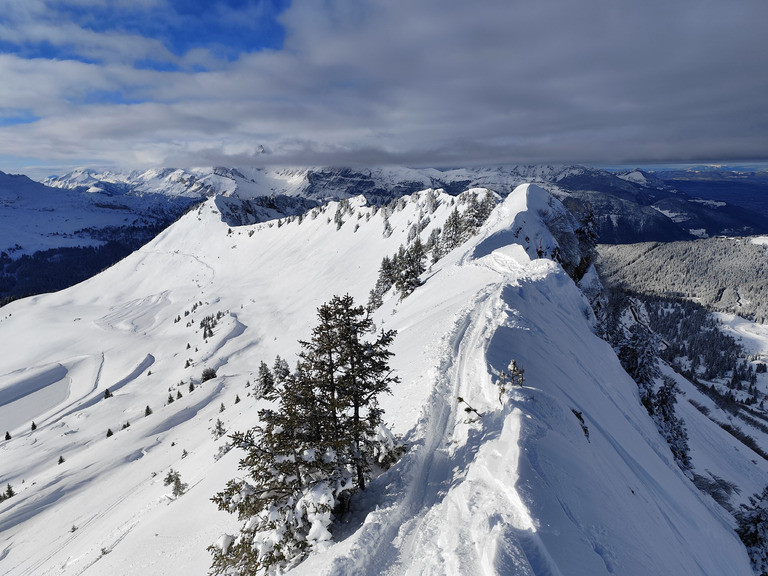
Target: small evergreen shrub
x,y
208,374
173,478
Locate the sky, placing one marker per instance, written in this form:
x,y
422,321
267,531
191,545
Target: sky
x,y
443,83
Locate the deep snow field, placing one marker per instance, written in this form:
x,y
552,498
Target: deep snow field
x,y
519,490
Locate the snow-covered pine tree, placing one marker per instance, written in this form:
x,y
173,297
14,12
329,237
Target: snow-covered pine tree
x,y
173,478
218,429
513,376
265,381
348,373
283,469
637,354
753,530
318,444
410,264
453,231
384,282
477,211
670,425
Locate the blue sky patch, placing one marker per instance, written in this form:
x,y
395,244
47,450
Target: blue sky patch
x,y
15,118
226,28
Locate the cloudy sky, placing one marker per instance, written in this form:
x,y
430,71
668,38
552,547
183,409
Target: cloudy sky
x,y
139,83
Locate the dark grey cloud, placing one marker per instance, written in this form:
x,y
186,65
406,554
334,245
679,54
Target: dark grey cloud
x,y
427,83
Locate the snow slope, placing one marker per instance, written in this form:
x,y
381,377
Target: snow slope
x,y
517,489
36,217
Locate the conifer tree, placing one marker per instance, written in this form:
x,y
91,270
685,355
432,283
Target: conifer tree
x,y
313,448
265,380
453,231
173,478
280,372
218,429
411,264
670,425
34,426
752,528
7,435
637,354
385,281
348,373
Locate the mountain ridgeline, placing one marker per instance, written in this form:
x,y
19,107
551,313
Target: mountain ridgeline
x,y
72,226
518,439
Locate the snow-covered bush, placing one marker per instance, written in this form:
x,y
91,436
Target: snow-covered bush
x,y
513,376
208,374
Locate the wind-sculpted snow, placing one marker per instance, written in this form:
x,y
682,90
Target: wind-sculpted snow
x,y
493,482
136,315
33,388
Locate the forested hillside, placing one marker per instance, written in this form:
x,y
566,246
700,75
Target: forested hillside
x,y
722,274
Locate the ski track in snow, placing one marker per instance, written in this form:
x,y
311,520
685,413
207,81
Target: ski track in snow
x,y
136,315
377,551
36,566
406,538
141,367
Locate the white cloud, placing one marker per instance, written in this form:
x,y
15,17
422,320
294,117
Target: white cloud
x,y
432,82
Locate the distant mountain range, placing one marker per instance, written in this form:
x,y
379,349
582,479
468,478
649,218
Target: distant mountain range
x,y
629,206
63,230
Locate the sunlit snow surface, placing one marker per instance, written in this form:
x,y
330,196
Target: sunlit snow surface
x,y
519,490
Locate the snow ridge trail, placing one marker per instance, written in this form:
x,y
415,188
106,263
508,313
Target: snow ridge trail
x,y
401,539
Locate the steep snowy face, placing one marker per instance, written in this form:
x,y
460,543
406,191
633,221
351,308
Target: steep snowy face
x,y
565,474
542,226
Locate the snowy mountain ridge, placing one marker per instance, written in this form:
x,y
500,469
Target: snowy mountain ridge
x,y
319,183
519,486
628,206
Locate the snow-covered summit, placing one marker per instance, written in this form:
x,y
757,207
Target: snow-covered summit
x,y
519,484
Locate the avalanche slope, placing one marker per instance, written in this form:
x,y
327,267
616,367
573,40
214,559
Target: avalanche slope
x,y
514,486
